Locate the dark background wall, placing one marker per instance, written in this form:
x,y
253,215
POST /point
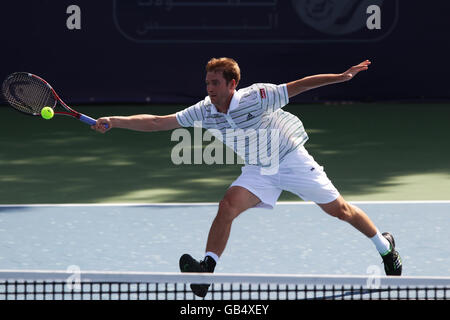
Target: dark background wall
x,y
150,51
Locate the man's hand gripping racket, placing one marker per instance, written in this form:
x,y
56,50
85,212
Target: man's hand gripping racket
x,y
29,93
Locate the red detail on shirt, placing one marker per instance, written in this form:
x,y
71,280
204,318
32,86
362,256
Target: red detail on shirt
x,y
262,92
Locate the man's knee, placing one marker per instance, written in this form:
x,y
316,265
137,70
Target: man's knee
x,y
342,211
227,211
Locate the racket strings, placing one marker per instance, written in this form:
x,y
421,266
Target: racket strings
x,y
27,94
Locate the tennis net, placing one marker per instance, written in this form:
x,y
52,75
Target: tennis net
x,y
62,285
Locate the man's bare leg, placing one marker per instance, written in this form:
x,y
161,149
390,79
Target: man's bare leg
x,y
236,200
343,210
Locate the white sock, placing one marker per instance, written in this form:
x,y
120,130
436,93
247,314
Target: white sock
x,y
383,246
212,255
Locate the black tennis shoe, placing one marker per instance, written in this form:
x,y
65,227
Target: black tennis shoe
x,y
392,261
189,264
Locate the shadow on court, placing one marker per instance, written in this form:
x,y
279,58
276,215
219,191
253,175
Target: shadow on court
x,y
369,151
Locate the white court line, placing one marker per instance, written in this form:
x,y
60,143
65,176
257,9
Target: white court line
x,y
172,277
187,204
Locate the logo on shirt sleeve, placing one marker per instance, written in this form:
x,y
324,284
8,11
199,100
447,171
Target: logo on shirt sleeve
x,y
262,92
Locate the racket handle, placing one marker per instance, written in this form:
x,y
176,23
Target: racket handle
x,y
89,120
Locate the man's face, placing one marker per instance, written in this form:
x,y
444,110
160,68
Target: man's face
x,y
218,89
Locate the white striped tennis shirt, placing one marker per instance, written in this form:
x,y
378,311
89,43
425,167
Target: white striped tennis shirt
x,y
255,126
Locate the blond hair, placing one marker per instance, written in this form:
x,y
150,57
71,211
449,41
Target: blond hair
x,y
228,66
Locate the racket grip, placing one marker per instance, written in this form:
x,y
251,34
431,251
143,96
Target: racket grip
x,y
89,120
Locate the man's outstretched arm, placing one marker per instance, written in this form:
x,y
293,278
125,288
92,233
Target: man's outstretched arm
x,y
139,122
319,80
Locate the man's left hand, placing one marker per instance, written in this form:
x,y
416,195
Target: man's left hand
x,y
353,71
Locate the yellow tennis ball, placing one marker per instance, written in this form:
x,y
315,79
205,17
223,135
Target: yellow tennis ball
x,y
47,113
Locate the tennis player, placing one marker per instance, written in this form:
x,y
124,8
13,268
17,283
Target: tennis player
x,y
289,167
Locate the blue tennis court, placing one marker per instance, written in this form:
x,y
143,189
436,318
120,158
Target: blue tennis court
x,y
294,238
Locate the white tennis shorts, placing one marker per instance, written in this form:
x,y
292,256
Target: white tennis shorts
x,y
298,173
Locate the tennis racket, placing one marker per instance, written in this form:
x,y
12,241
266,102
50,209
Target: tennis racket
x,y
29,93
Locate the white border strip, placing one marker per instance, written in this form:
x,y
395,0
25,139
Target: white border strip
x,y
196,204
168,277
